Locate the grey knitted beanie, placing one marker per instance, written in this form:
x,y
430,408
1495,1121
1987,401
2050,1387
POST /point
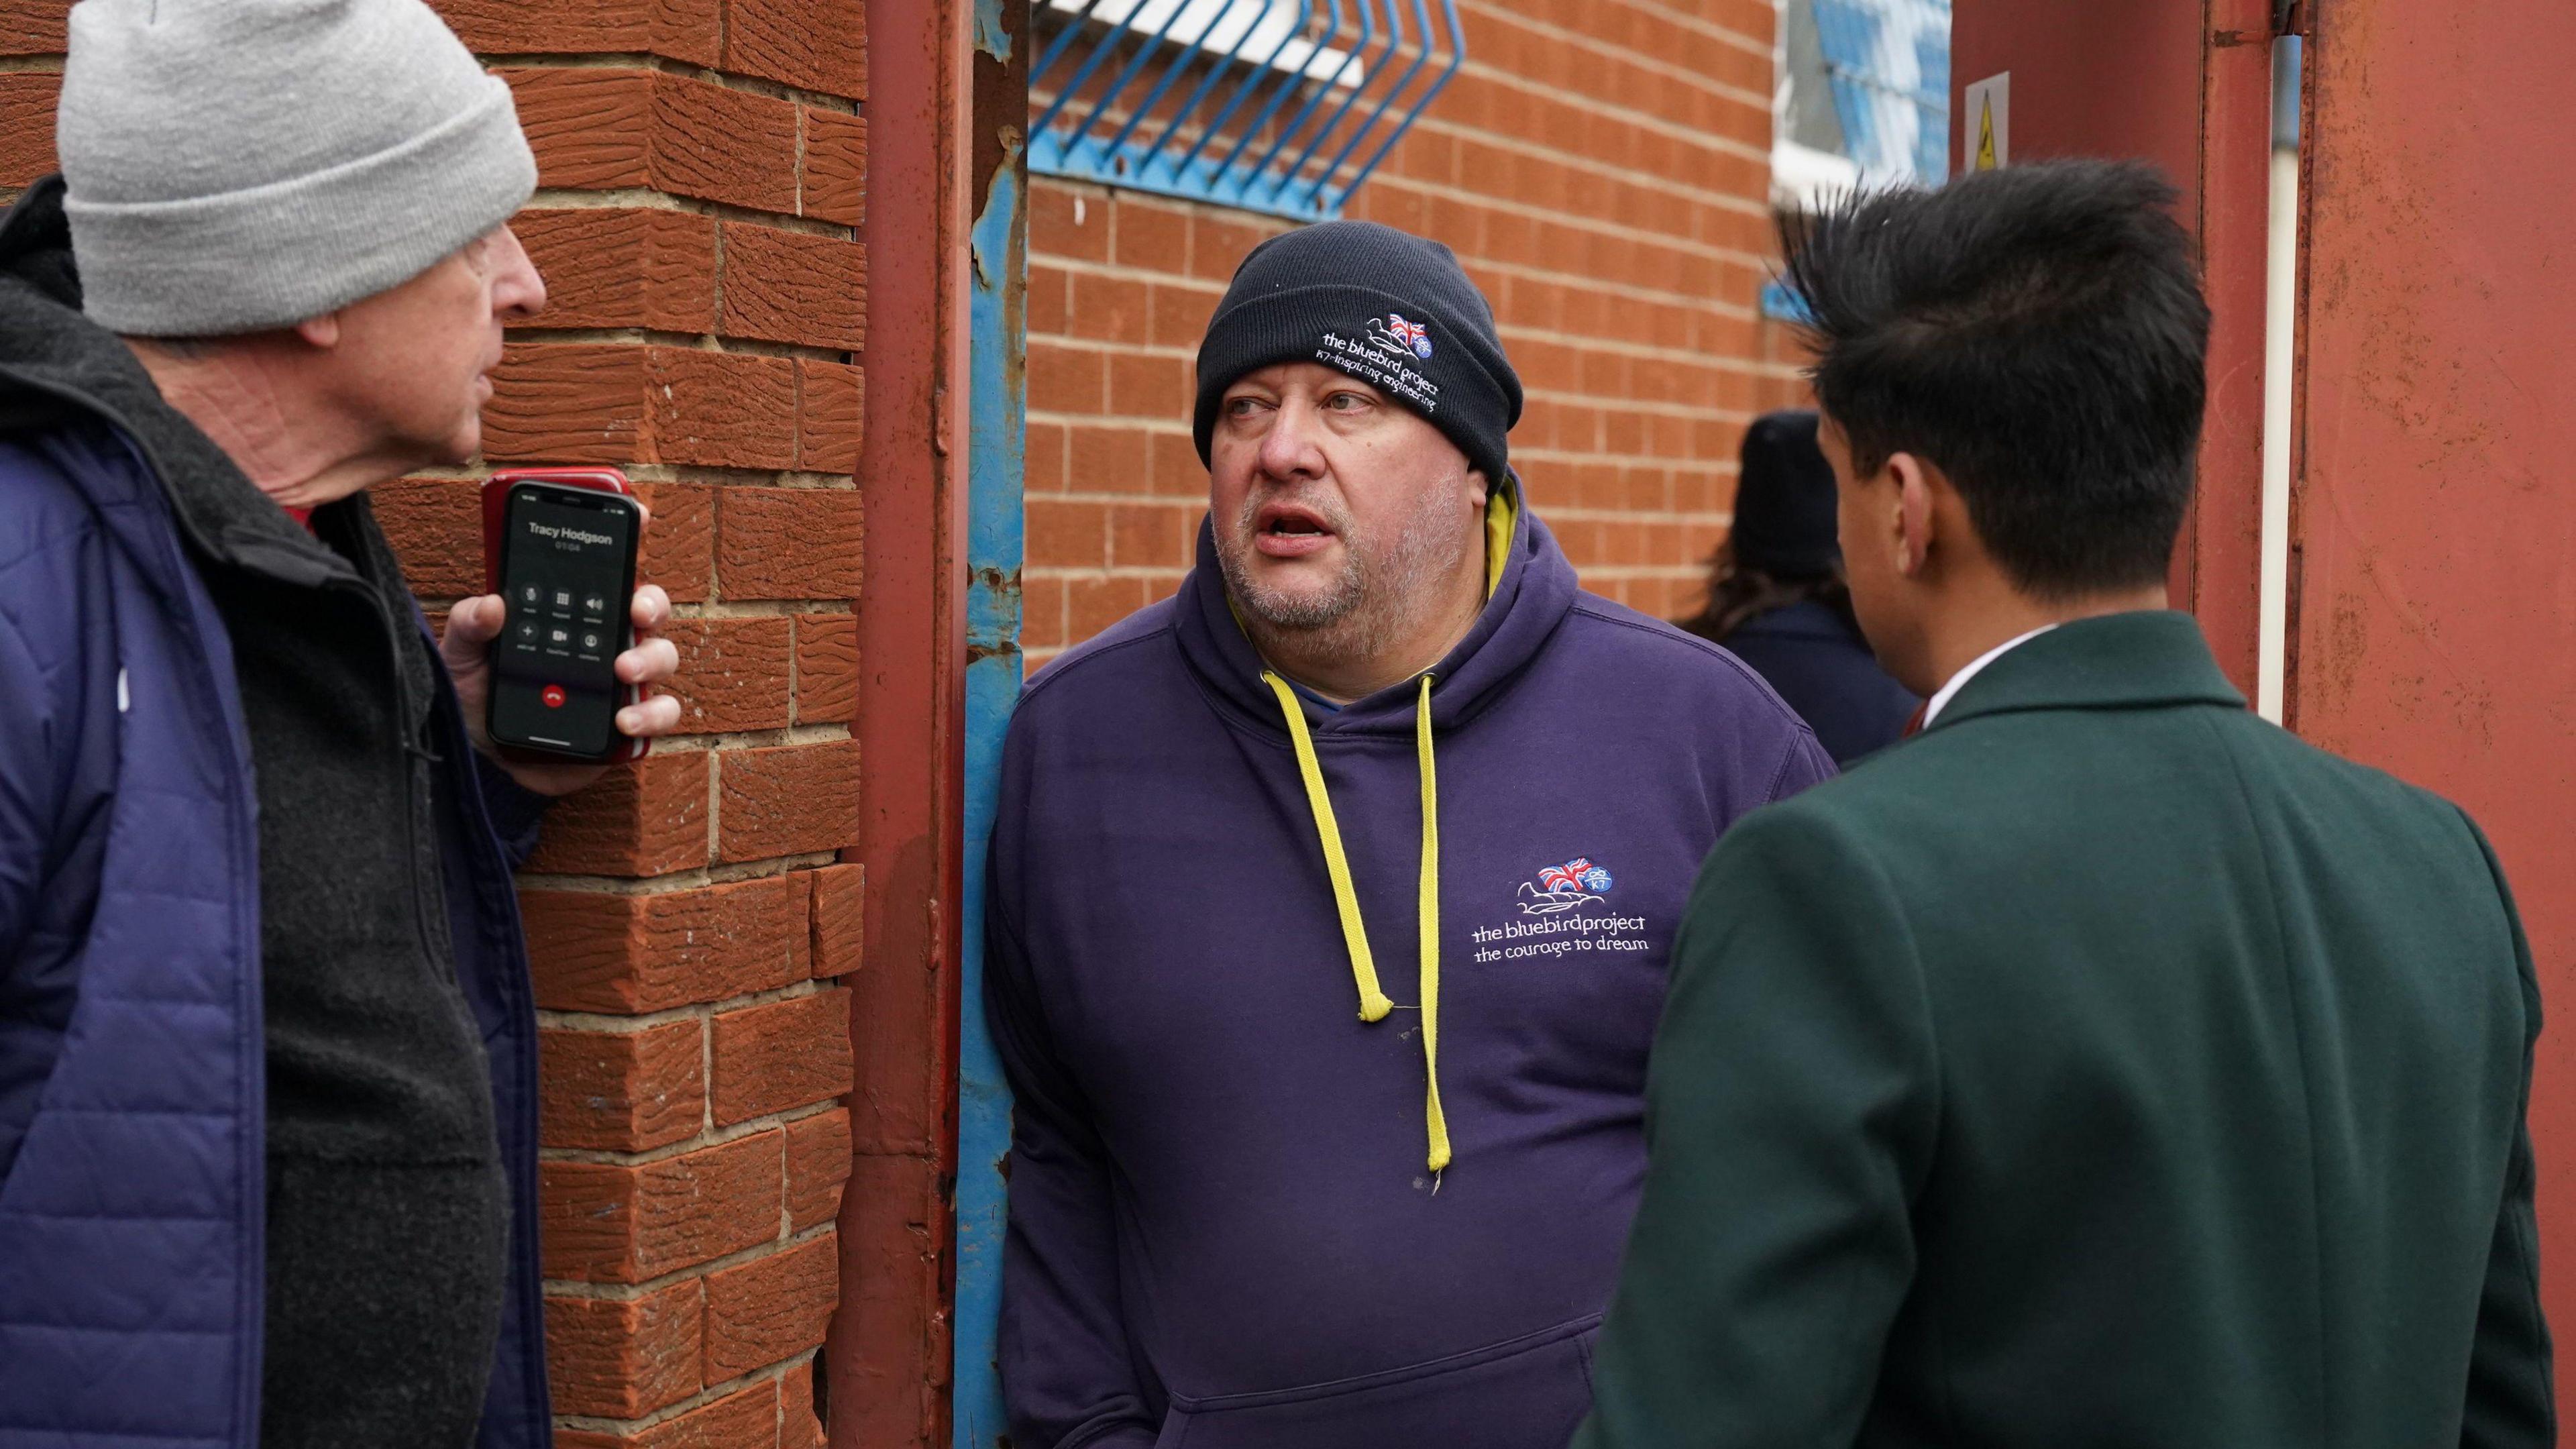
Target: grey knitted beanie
x,y
236,165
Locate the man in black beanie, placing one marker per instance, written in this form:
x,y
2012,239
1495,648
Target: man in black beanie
x,y
1277,1175
1776,595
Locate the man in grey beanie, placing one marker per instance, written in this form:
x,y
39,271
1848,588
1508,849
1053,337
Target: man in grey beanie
x,y
267,1054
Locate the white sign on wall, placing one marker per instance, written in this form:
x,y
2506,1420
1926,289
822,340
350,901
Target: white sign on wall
x,y
1986,123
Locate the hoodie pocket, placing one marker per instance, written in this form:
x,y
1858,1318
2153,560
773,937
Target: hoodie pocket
x,y
1523,1393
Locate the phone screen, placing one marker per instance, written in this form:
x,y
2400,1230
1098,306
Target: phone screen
x,y
567,574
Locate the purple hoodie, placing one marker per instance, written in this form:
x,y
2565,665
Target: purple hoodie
x,y
1223,1228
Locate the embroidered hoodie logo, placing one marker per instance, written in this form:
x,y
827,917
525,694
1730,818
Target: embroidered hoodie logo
x,y
1561,932
1392,333
1563,887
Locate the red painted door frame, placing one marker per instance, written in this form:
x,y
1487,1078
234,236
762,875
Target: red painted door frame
x,y
2433,581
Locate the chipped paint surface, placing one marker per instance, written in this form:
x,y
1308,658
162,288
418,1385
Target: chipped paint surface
x,y
997,411
992,36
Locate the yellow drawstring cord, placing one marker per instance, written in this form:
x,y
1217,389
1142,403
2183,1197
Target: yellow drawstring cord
x,y
1437,1120
1373,1002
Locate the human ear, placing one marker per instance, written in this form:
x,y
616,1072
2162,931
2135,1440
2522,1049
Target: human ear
x,y
1479,492
1912,515
321,332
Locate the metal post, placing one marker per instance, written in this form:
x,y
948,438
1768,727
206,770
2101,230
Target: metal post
x,y
888,1356
996,444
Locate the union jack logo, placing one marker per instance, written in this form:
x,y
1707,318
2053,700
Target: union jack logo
x,y
1562,888
1412,334
1578,874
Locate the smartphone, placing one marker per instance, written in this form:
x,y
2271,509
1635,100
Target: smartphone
x,y
559,547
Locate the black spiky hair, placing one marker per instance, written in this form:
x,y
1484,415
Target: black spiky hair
x,y
2039,334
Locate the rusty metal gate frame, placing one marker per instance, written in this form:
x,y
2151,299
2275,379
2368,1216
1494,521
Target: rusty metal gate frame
x,y
887,1361
2432,568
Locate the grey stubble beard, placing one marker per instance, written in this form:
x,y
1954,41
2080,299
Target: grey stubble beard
x,y
1368,605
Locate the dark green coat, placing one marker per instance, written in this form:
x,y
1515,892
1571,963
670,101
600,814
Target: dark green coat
x,y
2103,1067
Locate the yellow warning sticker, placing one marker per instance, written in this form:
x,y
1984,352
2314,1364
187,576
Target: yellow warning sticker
x,y
1987,116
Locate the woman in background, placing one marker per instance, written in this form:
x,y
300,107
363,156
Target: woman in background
x,y
1776,595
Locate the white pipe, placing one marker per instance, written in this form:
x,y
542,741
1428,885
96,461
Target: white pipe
x,y
2280,319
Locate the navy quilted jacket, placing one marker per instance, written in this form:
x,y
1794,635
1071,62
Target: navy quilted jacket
x,y
131,1067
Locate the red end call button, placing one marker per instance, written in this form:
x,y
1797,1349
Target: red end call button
x,y
553,695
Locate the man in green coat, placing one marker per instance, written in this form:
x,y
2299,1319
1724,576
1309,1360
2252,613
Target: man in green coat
x,y
2102,1066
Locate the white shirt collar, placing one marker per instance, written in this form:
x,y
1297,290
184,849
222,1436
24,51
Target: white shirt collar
x,y
1932,711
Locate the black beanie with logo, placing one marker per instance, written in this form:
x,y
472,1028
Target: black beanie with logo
x,y
1391,309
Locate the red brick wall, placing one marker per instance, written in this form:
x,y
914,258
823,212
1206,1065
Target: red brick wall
x,y
1601,166
702,167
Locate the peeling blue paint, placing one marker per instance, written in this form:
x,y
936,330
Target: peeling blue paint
x,y
991,36
997,416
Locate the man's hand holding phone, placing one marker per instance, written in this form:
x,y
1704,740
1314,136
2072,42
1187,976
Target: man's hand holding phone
x,y
475,624
555,686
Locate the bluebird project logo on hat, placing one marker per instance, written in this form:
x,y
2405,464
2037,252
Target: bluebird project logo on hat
x,y
1393,333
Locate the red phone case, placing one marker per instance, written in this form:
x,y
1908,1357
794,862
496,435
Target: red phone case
x,y
496,510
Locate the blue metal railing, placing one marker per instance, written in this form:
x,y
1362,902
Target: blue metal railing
x,y
1350,76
